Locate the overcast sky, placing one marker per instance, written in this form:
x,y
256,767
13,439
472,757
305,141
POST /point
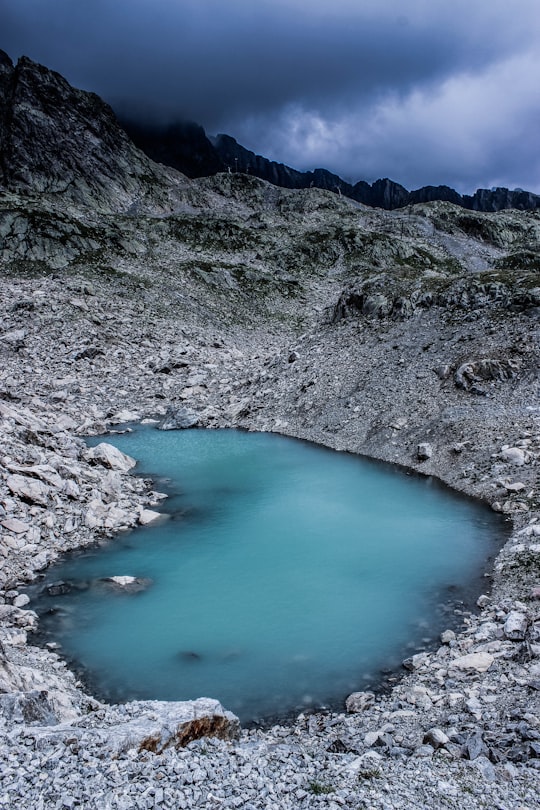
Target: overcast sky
x,y
422,91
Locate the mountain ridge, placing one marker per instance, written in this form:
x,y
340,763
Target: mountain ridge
x,y
186,147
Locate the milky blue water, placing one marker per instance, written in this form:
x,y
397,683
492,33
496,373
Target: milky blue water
x,y
286,577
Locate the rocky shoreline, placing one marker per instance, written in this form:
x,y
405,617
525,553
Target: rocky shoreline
x,y
462,727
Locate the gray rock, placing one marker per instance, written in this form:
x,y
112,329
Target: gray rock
x,y
179,419
514,455
436,738
359,701
424,451
479,662
29,489
111,457
14,525
515,626
30,708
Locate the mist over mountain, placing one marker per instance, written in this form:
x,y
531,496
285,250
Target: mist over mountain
x,y
186,147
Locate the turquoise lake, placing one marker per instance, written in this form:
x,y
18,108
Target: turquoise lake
x,y
286,576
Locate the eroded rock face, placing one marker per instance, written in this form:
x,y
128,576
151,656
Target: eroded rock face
x,y
154,727
175,725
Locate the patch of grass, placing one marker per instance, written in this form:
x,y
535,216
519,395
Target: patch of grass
x,y
320,788
369,773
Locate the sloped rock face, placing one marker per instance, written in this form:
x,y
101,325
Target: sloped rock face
x,y
57,140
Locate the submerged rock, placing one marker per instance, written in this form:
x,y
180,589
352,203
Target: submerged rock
x,y
147,516
128,584
59,588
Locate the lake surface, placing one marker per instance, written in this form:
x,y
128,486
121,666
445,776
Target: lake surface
x,y
286,577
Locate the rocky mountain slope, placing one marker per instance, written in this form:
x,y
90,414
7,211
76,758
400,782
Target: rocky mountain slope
x,y
130,291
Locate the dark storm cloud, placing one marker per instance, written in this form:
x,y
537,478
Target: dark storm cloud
x,y
367,88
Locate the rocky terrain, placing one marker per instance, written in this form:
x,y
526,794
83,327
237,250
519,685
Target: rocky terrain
x,y
130,292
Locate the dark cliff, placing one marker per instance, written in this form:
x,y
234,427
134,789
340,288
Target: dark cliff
x,y
182,145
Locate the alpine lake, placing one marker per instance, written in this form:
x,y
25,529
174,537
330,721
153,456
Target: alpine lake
x,y
283,576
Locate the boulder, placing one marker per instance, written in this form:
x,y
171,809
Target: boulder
x,y
14,525
29,489
479,662
125,416
157,726
110,456
514,455
472,372
147,516
359,701
436,738
179,419
515,626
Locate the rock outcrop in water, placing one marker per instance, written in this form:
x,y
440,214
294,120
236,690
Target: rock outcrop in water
x,y
128,289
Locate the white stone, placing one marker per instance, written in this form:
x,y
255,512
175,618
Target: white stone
x,y
125,416
424,451
123,581
517,486
371,738
148,516
515,626
436,737
14,525
480,662
110,456
514,455
28,488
